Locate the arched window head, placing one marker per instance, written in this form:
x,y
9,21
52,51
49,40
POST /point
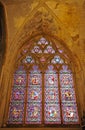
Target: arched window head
x,y
43,90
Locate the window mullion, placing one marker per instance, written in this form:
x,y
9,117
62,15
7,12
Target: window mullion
x,y
26,94
43,101
60,100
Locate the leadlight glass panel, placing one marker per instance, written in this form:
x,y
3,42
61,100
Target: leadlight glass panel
x,y
68,100
36,49
26,104
43,41
49,49
34,97
43,46
16,113
52,105
57,60
70,113
17,101
28,60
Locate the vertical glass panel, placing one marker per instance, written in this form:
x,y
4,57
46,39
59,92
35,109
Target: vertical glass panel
x,y
52,105
68,99
16,108
34,97
70,113
16,113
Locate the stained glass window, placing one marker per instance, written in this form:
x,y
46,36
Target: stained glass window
x,y
34,97
43,88
52,105
17,101
68,100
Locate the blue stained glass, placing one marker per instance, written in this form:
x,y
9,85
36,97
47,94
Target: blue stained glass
x,y
28,59
57,60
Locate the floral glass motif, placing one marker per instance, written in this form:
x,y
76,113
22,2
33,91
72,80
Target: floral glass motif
x,y
52,107
42,41
57,60
34,105
49,49
17,101
69,106
28,59
36,49
60,51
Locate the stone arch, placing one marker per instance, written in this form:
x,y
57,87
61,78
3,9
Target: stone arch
x,y
26,42
2,35
31,28
41,23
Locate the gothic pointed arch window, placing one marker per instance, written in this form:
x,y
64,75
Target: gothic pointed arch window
x,y
43,90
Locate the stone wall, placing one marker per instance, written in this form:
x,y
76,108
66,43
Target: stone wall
x,y
63,20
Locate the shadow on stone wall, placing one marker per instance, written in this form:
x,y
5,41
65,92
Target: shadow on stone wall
x,y
2,36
